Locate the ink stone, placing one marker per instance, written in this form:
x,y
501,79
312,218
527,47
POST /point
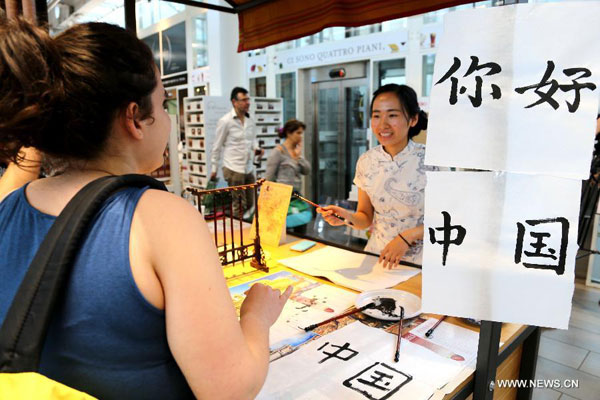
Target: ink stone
x,y
387,306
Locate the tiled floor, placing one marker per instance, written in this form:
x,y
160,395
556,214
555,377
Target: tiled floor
x,y
573,353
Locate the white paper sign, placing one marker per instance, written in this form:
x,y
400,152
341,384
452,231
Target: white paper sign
x,y
515,89
502,247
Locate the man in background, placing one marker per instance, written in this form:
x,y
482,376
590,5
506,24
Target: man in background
x,y
235,141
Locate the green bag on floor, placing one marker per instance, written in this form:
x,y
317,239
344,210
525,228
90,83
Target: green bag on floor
x,y
297,206
299,213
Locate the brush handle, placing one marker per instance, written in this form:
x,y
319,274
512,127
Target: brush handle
x,y
343,219
306,200
318,206
356,310
397,354
430,331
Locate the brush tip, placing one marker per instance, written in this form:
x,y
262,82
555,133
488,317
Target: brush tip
x,y
397,357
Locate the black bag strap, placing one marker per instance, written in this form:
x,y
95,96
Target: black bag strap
x,y
24,329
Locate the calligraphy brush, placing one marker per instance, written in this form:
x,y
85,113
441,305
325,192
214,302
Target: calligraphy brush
x,y
439,321
397,355
318,206
402,262
372,304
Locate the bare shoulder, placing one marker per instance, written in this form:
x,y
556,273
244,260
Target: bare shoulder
x,y
166,225
153,198
168,215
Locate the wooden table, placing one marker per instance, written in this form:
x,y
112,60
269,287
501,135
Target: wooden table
x,y
516,357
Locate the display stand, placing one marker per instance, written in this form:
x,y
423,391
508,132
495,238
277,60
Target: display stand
x,y
201,116
267,114
169,172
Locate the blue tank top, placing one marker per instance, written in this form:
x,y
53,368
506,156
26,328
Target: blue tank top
x,y
105,338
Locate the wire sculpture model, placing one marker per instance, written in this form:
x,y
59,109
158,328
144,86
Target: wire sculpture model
x,y
222,209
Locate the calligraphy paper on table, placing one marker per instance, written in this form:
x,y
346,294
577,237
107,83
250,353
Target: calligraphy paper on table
x,y
356,362
346,268
516,89
502,248
451,341
273,203
310,302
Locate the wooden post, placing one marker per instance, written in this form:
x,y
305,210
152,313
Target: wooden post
x,y
29,10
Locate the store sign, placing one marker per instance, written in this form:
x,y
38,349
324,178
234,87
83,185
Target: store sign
x,y
152,42
199,76
361,47
174,55
430,36
257,65
176,80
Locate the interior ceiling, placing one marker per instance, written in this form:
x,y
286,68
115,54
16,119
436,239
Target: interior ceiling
x,y
267,22
263,23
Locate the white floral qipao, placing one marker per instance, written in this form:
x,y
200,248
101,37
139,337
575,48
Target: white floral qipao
x,y
396,188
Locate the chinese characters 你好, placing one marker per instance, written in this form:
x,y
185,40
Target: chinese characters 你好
x,y
545,89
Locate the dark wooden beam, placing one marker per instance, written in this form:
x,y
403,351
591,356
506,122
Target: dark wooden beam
x,y
41,10
235,8
200,4
130,22
12,8
28,9
251,4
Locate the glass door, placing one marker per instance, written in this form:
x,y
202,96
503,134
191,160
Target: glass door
x,y
328,127
340,137
357,117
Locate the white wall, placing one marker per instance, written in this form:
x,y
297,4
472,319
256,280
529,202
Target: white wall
x,y
414,68
227,66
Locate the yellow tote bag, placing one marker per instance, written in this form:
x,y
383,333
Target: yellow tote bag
x,y
31,385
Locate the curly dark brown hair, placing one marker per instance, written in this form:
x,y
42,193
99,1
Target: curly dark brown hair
x,y
62,95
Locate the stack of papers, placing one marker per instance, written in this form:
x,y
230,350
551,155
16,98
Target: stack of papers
x,y
346,268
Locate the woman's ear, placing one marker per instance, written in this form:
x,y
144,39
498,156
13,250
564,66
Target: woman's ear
x,y
414,120
129,121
